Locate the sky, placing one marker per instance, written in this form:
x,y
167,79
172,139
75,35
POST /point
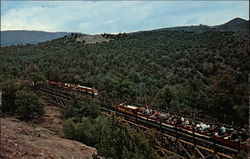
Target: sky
x,y
93,17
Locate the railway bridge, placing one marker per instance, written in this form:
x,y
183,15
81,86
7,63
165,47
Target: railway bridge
x,y
167,140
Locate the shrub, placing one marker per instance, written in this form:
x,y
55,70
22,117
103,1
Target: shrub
x,y
81,107
28,105
8,97
111,138
69,129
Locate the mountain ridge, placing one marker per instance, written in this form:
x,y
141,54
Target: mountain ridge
x,y
17,37
235,25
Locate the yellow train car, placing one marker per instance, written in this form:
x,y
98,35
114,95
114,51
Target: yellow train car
x,y
128,109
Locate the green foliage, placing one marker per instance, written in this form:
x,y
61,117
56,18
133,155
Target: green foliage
x,y
193,95
163,98
28,105
53,74
21,102
34,73
227,100
9,88
126,90
81,107
122,142
69,129
112,138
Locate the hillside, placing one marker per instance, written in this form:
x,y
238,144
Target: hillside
x,y
203,72
16,37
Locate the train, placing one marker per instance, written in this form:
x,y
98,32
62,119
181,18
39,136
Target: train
x,y
161,117
84,89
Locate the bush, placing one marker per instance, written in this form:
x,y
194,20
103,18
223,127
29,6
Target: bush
x,y
111,138
9,94
120,141
81,107
163,98
28,105
69,129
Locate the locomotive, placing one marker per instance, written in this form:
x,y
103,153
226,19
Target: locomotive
x,y
84,89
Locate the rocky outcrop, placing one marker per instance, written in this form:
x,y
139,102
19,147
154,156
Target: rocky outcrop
x,y
20,140
91,39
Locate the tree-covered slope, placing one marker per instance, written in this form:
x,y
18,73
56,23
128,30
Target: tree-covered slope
x,y
206,71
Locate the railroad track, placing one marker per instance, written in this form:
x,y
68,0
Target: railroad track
x,y
169,140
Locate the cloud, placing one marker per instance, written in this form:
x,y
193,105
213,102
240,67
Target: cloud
x,y
116,16
192,21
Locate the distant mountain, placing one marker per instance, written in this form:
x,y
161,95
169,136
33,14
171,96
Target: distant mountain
x,y
14,37
234,25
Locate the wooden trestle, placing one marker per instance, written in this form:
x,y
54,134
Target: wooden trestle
x,y
166,143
